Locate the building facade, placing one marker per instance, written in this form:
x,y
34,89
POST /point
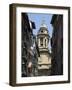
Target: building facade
x,y
44,61
57,45
29,48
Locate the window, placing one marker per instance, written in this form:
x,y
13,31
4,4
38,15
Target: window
x,y
41,41
45,42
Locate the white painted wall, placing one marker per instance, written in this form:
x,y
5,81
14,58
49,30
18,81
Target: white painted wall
x,y
4,45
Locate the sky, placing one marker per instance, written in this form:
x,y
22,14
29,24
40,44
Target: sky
x,y
37,18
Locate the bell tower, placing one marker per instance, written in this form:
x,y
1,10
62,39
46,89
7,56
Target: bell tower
x,y
44,61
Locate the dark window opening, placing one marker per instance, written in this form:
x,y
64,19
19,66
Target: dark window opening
x,y
45,42
41,41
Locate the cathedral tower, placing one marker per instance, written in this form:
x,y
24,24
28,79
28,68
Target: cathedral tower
x,y
44,61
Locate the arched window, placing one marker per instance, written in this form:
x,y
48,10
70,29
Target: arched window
x,y
41,41
45,42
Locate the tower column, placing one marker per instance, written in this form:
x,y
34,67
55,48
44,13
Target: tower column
x,y
44,61
46,42
43,42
